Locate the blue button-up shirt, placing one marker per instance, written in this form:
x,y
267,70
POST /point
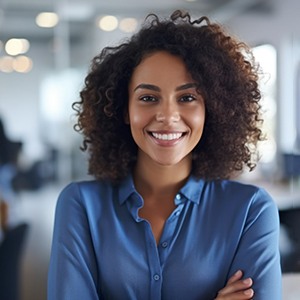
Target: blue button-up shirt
x,y
102,249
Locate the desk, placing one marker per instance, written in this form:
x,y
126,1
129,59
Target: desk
x,y
291,286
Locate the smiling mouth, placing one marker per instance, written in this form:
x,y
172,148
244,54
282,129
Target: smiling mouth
x,y
167,136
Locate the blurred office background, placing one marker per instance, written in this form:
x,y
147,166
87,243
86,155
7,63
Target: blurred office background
x,y
45,51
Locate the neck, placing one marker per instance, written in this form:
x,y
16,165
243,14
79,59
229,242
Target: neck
x,y
151,178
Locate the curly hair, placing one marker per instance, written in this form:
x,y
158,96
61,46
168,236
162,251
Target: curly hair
x,y
225,72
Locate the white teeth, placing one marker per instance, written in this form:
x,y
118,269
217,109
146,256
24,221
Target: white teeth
x,y
167,137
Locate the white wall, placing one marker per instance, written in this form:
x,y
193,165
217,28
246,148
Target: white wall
x,y
281,28
19,100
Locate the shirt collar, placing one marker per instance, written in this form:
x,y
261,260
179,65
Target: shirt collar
x,y
126,188
191,190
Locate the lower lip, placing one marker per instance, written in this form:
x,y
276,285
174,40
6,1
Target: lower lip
x,y
166,143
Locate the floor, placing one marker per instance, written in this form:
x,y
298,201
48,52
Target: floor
x,y
37,209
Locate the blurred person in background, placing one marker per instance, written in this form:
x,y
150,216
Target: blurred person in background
x,y
9,155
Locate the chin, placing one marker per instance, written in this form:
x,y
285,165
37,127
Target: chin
x,y
169,162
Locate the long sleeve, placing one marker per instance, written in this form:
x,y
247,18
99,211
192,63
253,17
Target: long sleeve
x,y
72,270
258,252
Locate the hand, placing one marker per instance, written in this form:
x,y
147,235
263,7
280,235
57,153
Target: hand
x,y
236,288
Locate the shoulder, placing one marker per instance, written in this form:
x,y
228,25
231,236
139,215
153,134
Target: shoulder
x,y
240,190
85,193
257,202
236,196
242,207
85,188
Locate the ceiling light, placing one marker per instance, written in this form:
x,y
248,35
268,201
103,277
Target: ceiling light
x,y
22,64
128,24
17,46
108,23
47,19
6,64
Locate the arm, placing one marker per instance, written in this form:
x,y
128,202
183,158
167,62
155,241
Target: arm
x,y
258,250
72,270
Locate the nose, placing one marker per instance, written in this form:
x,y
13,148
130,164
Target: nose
x,y
168,113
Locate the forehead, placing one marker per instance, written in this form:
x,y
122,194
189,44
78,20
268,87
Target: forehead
x,y
159,67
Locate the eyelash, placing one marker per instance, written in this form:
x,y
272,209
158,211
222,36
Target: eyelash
x,y
148,98
189,96
184,98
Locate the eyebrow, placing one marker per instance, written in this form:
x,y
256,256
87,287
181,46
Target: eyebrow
x,y
157,89
146,86
186,86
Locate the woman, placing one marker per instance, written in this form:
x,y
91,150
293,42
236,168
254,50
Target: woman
x,y
168,117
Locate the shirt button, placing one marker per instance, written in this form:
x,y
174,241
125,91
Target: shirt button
x,y
177,213
164,244
156,277
178,196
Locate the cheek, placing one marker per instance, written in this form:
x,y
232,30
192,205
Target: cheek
x,y
135,121
197,120
138,117
137,125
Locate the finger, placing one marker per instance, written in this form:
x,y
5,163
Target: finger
x,y
242,295
235,277
236,286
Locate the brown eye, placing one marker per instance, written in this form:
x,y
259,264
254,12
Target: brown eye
x,y
148,99
187,98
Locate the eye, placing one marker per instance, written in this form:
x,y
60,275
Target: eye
x,y
148,98
187,98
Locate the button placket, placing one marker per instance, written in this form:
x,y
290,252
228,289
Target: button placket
x,y
164,244
156,277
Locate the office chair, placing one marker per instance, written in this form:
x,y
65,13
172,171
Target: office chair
x,y
290,227
291,165
10,261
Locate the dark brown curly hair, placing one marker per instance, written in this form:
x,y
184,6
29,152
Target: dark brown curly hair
x,y
225,72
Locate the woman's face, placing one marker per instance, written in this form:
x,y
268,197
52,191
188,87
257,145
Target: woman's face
x,y
165,112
